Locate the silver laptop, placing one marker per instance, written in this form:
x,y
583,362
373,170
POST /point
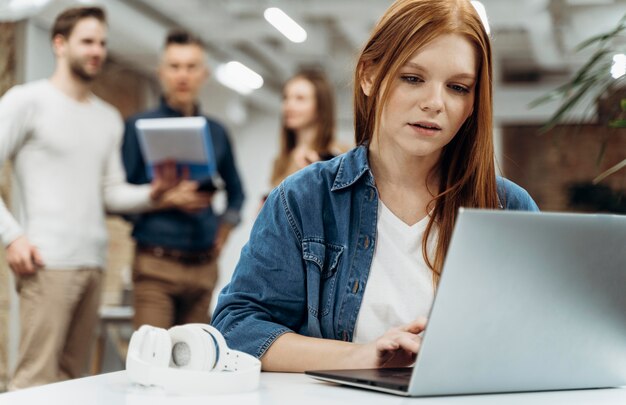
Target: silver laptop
x,y
526,302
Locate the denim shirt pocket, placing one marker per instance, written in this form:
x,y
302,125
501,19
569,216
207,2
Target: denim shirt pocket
x,y
321,260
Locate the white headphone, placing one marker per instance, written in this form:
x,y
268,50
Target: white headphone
x,y
189,360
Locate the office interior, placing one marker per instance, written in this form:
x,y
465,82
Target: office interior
x,y
535,51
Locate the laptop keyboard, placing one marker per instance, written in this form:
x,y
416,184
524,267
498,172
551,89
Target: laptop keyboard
x,y
397,372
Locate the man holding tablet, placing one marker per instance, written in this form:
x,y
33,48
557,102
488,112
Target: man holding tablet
x,y
175,266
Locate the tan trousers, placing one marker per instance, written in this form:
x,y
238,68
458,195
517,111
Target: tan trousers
x,y
167,292
58,318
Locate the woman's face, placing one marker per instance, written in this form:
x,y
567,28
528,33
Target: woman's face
x,y
299,104
430,98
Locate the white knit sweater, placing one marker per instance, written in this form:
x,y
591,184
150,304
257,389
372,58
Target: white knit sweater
x,y
67,170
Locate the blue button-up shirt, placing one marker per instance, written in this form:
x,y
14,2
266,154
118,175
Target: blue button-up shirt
x,y
175,229
306,264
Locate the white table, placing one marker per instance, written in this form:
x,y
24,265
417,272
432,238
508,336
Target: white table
x,y
279,388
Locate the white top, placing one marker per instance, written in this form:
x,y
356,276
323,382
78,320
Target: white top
x,y
281,388
67,168
400,285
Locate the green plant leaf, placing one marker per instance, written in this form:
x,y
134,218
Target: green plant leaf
x,y
604,37
609,172
596,81
582,77
585,71
601,39
623,104
565,108
617,124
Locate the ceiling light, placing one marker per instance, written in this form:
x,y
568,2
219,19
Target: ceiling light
x,y
285,24
482,13
238,77
619,66
15,10
589,2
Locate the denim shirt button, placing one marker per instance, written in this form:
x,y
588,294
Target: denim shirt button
x,y
345,336
372,194
355,287
366,242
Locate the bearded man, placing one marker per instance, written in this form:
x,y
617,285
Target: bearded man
x,y
64,143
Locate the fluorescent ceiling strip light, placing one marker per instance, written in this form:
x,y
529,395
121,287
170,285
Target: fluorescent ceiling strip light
x,y
589,2
16,4
238,77
285,24
15,10
482,13
619,66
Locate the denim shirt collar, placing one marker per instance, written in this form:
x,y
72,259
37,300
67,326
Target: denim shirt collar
x,y
352,167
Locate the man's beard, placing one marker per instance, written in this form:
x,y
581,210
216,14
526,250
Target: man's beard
x,y
79,71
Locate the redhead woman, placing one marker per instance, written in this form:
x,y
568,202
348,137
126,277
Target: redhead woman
x,y
344,258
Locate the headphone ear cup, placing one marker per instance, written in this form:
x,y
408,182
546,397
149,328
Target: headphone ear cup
x,y
151,345
192,348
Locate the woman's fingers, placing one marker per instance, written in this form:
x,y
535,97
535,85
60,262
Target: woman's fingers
x,y
384,344
415,326
410,342
399,346
399,341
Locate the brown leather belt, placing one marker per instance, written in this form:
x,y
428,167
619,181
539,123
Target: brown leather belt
x,y
177,255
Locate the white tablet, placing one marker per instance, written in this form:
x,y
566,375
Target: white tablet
x,y
186,140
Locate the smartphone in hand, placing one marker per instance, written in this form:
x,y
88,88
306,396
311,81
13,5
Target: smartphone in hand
x,y
207,186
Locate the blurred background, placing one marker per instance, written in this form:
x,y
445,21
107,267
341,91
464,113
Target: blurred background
x,y
535,51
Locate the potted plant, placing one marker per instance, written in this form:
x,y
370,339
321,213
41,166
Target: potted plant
x,y
592,80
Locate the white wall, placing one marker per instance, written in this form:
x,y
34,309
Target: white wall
x,y
256,145
38,57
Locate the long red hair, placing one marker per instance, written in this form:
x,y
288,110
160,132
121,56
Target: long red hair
x,y
466,168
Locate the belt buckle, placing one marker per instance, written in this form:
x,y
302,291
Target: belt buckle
x,y
158,251
198,258
188,260
177,255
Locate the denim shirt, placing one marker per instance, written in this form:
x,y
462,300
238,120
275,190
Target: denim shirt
x,y
306,265
176,229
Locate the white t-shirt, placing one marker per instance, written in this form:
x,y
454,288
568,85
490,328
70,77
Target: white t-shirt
x,y
67,169
400,285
